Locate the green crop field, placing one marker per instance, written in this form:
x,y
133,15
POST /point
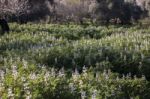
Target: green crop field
x,y
50,61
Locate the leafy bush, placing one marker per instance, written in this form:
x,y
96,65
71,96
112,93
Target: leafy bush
x,y
66,61
23,80
125,53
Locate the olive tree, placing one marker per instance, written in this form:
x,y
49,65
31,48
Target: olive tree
x,y
15,8
123,11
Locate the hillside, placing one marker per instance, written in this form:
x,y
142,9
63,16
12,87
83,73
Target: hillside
x,y
51,61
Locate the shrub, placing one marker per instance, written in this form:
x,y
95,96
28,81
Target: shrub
x,y
125,53
23,80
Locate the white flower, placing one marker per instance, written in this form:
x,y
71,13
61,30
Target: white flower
x,y
24,64
81,83
72,87
32,76
46,76
94,94
23,79
75,74
14,71
84,69
53,73
28,95
10,93
2,74
61,72
105,74
83,94
1,86
143,77
26,86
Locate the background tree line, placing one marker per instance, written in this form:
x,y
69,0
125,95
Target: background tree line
x,y
79,11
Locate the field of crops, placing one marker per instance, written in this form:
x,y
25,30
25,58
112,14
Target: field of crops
x,y
49,61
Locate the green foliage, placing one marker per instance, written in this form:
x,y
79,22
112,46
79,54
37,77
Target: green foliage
x,y
66,61
125,52
23,80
